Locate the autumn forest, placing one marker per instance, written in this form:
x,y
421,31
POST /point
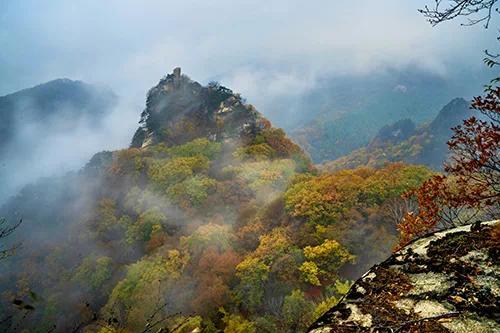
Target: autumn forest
x,y
215,219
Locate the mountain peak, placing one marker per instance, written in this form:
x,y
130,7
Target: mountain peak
x,y
451,115
393,133
177,72
404,141
179,109
32,120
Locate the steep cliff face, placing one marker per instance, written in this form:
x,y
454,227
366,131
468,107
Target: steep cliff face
x,y
179,110
445,282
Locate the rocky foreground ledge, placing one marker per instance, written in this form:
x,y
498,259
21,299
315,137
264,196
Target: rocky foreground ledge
x,y
448,281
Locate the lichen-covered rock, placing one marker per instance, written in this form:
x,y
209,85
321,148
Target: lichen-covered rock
x,y
445,282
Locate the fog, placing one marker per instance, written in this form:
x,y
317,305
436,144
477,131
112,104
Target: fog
x,y
128,45
273,53
56,146
292,60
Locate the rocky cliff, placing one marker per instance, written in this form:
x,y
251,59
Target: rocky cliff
x,y
445,282
179,110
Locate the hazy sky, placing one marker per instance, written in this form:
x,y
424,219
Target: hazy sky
x,y
129,44
270,51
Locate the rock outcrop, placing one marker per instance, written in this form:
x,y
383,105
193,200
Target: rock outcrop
x,y
445,282
179,110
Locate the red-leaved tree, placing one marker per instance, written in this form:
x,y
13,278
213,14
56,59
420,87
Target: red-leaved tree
x,y
471,185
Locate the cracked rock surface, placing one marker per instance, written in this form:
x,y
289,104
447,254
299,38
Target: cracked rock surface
x,y
445,282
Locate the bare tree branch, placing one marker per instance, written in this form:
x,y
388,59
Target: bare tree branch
x,y
476,11
5,231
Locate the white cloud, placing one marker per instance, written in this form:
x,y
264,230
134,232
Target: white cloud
x,y
126,44
270,51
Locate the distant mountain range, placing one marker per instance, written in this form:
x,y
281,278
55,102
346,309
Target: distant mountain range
x,y
57,104
30,118
344,113
403,141
212,209
340,114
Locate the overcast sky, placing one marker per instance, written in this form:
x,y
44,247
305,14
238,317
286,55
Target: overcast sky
x,y
270,51
129,44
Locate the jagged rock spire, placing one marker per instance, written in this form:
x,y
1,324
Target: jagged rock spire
x,y
179,110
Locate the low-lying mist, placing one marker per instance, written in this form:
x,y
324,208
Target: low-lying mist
x,y
51,134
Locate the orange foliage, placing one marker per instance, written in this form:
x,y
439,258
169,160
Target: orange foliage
x,y
126,160
214,271
248,235
276,138
157,239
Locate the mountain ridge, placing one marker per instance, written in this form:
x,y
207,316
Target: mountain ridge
x,y
344,113
403,141
38,118
211,209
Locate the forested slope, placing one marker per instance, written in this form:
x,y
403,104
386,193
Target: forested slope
x,y
212,219
403,141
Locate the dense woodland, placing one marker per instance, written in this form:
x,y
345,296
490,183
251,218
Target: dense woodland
x,y
213,220
345,113
234,230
